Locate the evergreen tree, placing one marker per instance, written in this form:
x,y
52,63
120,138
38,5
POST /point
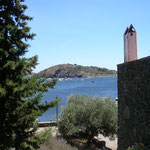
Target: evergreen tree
x,y
20,97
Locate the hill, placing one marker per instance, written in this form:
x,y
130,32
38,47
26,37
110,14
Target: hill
x,y
71,71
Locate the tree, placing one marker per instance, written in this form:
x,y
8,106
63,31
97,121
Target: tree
x,y
20,97
88,116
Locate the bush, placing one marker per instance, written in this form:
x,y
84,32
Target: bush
x,y
138,147
88,116
56,144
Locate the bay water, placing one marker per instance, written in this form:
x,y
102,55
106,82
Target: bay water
x,y
99,86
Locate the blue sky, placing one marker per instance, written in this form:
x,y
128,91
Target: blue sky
x,y
86,32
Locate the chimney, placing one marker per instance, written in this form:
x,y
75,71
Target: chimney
x,y
130,44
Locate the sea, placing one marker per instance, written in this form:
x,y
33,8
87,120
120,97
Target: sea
x,y
98,86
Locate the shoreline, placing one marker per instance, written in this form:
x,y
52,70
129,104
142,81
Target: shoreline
x,y
80,77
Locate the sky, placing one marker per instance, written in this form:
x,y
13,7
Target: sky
x,y
86,32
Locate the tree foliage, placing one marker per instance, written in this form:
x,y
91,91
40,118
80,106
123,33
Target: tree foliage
x,y
20,97
138,147
88,116
71,71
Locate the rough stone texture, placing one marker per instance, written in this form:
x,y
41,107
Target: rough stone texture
x,y
133,92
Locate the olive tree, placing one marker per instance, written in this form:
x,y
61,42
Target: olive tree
x,y
88,116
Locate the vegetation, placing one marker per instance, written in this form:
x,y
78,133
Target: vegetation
x,y
55,143
20,97
70,71
138,147
87,117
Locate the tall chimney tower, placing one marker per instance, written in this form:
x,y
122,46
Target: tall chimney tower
x,y
130,44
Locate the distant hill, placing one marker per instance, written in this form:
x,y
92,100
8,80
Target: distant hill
x,y
71,71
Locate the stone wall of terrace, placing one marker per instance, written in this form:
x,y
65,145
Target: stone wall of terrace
x,y
133,103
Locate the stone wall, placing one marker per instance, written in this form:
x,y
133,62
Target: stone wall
x,y
133,102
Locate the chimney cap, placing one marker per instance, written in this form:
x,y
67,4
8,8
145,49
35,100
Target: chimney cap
x,y
130,29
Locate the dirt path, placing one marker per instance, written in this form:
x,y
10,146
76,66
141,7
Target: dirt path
x,y
110,144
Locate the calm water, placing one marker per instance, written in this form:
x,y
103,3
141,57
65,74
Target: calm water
x,y
100,86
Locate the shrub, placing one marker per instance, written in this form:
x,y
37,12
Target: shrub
x,y
88,116
138,147
56,144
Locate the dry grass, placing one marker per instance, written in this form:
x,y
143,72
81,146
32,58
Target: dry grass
x,y
56,144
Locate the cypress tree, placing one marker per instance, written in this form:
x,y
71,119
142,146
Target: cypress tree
x,y
20,97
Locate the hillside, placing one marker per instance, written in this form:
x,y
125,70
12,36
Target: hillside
x,y
70,71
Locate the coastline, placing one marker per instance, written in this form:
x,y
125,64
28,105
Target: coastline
x,y
112,75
